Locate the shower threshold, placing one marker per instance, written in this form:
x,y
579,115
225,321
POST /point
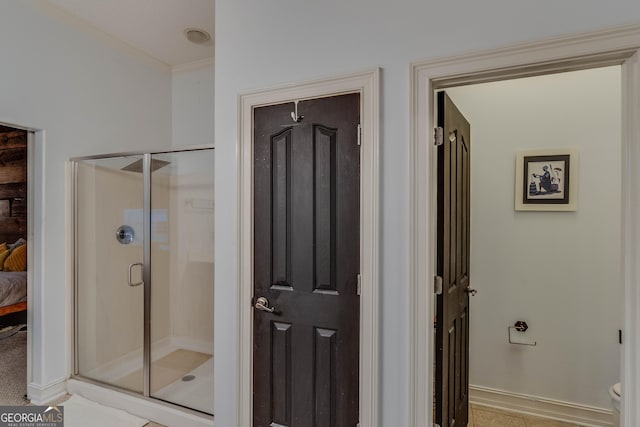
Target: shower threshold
x,y
153,409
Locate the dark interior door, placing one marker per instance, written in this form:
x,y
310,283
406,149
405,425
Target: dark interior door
x,y
306,263
452,312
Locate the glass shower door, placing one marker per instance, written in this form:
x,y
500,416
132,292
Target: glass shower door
x,y
109,243
182,221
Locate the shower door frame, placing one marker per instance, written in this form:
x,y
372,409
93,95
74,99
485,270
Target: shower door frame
x,y
146,268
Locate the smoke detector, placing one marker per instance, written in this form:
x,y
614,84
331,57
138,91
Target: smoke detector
x,y
197,36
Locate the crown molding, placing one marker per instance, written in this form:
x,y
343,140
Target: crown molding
x,y
85,27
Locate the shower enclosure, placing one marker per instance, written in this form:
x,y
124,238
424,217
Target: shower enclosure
x,y
143,267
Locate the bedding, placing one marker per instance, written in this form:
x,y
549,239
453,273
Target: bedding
x,y
13,287
13,279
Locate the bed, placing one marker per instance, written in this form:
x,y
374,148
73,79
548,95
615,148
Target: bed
x,y
13,292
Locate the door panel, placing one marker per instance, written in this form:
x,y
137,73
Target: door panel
x,y
452,321
306,263
109,271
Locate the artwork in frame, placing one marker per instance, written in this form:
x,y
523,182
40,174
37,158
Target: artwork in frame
x,y
547,180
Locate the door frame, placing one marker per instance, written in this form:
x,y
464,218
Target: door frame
x,y
367,85
36,391
615,46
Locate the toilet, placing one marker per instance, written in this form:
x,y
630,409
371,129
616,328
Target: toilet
x,y
614,392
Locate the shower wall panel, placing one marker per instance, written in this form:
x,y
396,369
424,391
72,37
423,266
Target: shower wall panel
x,y
192,261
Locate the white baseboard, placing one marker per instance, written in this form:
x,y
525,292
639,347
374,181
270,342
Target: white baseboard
x,y
40,395
157,412
540,407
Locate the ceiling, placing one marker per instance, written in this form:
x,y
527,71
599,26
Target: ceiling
x,y
155,27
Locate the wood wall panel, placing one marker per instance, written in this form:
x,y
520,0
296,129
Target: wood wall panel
x,y
13,184
13,190
13,139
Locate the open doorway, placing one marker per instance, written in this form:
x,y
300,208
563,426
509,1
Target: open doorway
x,y
13,265
558,272
618,46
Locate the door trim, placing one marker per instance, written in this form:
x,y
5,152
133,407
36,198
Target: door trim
x,y
619,46
367,85
35,264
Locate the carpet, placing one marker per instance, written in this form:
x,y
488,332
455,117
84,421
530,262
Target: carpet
x,y
81,412
13,366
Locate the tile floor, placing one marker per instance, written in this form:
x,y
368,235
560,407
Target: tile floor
x,y
482,416
479,416
64,398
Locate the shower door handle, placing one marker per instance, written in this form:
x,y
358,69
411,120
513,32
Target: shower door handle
x,y
130,274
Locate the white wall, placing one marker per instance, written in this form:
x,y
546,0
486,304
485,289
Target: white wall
x,y
90,95
558,271
261,44
192,104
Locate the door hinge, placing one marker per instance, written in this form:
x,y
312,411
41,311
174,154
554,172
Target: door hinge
x,y
620,336
359,286
437,285
438,136
359,134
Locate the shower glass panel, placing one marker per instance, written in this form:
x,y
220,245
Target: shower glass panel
x,y
109,300
143,248
182,279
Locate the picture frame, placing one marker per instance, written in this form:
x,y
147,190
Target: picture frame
x,y
547,180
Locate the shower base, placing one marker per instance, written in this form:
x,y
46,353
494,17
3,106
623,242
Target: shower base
x,y
194,389
167,373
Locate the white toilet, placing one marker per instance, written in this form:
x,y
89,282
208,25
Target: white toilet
x,y
614,392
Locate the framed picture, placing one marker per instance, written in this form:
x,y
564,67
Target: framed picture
x,y
547,180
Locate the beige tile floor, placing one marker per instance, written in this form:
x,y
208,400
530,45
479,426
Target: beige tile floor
x,y
64,398
479,416
482,416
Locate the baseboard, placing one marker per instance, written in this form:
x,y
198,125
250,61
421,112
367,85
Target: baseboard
x,y
540,407
39,395
160,413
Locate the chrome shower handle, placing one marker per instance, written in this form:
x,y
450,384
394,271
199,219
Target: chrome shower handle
x,y
130,274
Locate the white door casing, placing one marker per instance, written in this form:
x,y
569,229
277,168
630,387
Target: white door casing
x,y
367,85
36,390
602,48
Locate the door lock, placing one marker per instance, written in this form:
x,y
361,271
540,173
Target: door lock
x,y
263,304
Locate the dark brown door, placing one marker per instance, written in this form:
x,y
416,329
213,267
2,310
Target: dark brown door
x,y
452,321
306,263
